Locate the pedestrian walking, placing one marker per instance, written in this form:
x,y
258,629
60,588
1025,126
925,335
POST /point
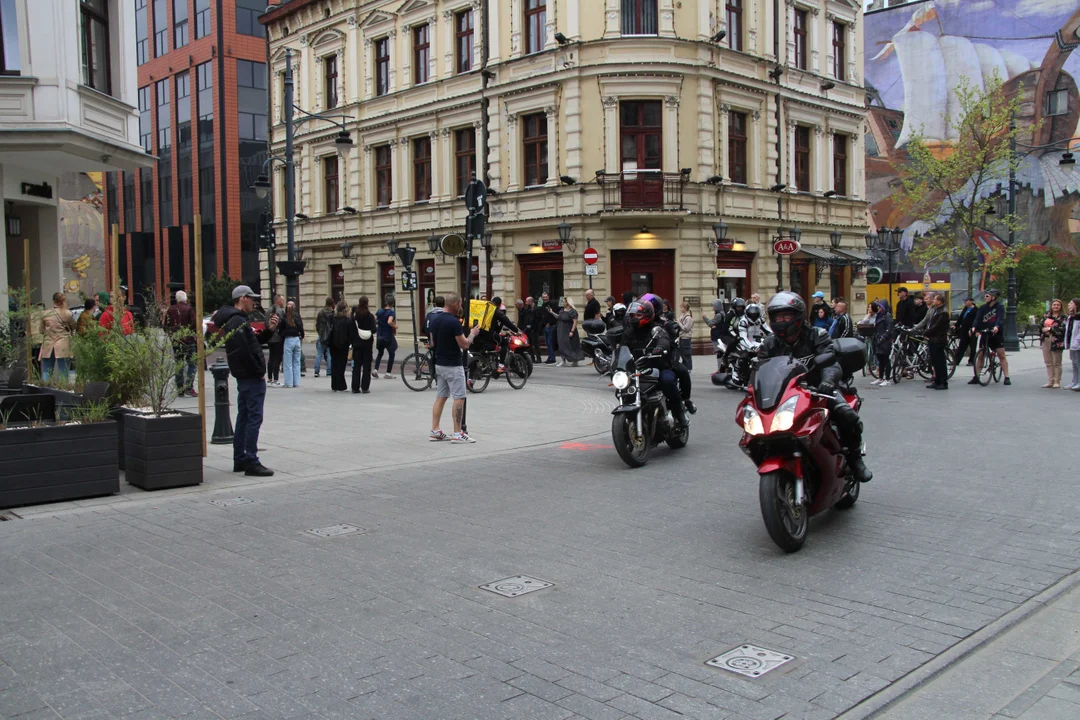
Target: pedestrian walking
x,y
181,325
592,305
386,336
448,340
527,322
686,335
324,321
363,343
1072,342
292,334
248,366
1052,337
549,320
56,327
568,342
87,318
341,337
276,343
883,340
964,324
108,317
437,303
937,342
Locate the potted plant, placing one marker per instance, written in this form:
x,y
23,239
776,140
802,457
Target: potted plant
x,y
51,460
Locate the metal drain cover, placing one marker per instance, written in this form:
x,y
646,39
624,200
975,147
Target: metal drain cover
x,y
517,585
232,501
750,660
336,530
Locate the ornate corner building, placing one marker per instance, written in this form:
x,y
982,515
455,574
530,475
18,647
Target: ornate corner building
x,y
640,123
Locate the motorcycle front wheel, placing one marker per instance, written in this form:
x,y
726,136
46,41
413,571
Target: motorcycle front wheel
x,y
787,524
632,448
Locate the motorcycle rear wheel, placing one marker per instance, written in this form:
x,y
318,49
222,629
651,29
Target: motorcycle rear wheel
x,y
849,498
679,441
600,363
632,448
787,526
528,363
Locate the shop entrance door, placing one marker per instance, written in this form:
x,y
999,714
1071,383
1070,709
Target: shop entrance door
x,y
541,274
643,271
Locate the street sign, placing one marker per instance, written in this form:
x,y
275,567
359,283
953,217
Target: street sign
x,y
592,269
452,244
408,280
783,246
551,245
475,196
475,225
873,275
591,256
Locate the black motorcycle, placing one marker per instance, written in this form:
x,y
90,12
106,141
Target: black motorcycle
x,y
642,419
596,345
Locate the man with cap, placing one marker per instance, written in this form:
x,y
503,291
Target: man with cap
x,y
905,309
819,302
248,366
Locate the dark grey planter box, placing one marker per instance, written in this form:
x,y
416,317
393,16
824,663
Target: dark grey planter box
x,y
65,400
58,462
118,416
163,452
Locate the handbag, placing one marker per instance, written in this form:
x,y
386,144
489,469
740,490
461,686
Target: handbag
x,y
364,334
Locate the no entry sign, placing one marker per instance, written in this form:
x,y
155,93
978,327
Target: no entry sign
x,y
591,256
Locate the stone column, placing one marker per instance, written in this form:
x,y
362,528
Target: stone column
x,y
611,134
671,134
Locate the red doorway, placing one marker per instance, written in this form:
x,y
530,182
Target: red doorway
x,y
642,271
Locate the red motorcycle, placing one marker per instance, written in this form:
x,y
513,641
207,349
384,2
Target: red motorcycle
x,y
519,345
800,460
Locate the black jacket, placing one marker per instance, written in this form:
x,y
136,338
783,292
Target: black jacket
x,y
843,328
905,312
544,318
920,312
812,342
500,320
368,322
342,332
966,321
638,338
296,330
937,329
592,309
526,317
242,346
323,322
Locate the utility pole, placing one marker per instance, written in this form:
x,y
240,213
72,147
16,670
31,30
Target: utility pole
x,y
292,279
1012,341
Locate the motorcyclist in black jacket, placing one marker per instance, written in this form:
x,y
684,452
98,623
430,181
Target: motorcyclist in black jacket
x,y
644,335
487,338
794,338
667,321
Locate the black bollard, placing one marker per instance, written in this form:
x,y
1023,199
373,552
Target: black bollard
x,y
223,429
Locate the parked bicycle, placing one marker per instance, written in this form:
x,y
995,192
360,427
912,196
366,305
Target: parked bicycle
x,y
418,369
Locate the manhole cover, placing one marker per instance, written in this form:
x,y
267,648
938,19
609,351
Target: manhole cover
x,y
517,585
750,660
232,501
336,530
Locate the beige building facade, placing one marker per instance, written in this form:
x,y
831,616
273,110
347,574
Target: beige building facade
x,y
642,124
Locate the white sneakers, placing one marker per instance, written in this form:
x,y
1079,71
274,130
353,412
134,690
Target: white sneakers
x,y
881,383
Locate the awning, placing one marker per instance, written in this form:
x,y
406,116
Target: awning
x,y
807,252
857,256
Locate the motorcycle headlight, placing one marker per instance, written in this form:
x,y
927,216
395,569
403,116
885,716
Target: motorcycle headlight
x,y
785,416
620,380
751,422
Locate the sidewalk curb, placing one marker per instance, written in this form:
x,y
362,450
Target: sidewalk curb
x,y
884,699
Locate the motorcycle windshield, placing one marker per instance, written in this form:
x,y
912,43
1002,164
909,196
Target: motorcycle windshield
x,y
623,358
772,379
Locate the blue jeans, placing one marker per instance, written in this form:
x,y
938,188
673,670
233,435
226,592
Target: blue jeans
x,y
47,365
185,367
549,340
250,394
291,362
319,350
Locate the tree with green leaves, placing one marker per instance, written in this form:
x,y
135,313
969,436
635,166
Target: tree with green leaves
x,y
947,190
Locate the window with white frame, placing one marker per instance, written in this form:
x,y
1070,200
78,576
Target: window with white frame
x,y
1057,102
640,17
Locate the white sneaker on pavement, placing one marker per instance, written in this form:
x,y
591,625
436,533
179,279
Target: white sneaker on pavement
x,y
885,383
460,438
388,376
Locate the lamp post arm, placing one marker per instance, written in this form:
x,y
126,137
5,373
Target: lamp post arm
x,y
319,116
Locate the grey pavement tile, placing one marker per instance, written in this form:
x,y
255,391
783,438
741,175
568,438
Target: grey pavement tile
x,y
692,707
639,688
19,700
40,714
530,706
591,709
541,688
1051,708
643,709
590,688
495,668
541,668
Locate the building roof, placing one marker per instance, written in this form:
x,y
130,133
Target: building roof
x,y
284,10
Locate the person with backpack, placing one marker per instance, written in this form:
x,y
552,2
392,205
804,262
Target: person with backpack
x,y
386,337
324,322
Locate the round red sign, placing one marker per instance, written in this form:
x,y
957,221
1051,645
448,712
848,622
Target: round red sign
x,y
785,247
591,256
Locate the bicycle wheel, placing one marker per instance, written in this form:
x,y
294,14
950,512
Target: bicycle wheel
x,y
986,360
479,377
899,364
416,373
950,359
923,366
517,372
996,367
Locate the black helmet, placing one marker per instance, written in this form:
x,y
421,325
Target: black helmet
x,y
739,305
753,312
993,292
788,329
640,313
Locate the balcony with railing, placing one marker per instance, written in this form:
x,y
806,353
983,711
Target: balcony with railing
x,y
643,190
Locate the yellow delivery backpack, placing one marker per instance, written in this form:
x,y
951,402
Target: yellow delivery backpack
x,y
480,313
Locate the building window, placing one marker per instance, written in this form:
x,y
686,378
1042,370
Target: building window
x,y
1057,102
386,280
839,163
641,131
463,32
251,99
161,27
330,183
382,66
639,17
800,38
9,38
422,169
330,80
734,10
146,198
142,32
145,130
247,17
536,149
202,18
94,18
205,101
535,25
421,53
839,48
164,122
384,176
183,109
737,147
802,158
337,282
180,25
464,158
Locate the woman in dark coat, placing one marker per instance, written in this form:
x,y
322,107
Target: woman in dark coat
x,y
342,337
883,340
362,347
569,344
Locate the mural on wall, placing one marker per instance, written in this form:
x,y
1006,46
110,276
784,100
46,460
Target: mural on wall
x,y
917,53
82,235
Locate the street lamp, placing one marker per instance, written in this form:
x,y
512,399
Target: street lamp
x,y
346,252
392,245
262,187
796,234
564,230
834,239
720,230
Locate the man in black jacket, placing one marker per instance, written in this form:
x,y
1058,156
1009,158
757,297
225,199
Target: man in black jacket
x,y
842,322
487,338
964,323
937,342
905,309
248,366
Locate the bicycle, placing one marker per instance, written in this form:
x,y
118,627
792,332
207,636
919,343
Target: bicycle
x,y
484,365
418,369
988,360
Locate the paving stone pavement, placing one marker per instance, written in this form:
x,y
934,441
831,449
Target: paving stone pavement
x,y
167,606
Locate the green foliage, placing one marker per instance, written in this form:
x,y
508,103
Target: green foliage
x,y
14,320
90,411
1042,274
217,292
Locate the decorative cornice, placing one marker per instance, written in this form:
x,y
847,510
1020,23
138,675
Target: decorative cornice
x,y
610,101
672,101
511,120
550,111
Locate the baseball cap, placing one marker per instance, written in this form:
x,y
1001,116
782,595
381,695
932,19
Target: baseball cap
x,y
244,291
819,294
